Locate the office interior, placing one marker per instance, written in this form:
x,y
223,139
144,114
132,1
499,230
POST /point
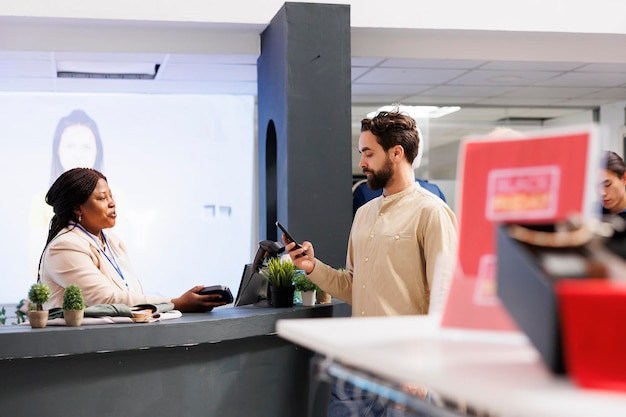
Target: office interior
x,y
512,66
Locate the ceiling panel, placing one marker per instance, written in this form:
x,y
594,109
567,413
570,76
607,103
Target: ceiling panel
x,y
602,67
408,76
532,66
583,102
518,101
365,62
375,100
469,91
551,92
356,72
398,90
503,77
431,63
612,94
427,99
587,79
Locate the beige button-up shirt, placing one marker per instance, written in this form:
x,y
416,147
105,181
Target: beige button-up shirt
x,y
397,246
74,257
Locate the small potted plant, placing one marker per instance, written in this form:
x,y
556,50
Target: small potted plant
x,y
322,296
21,311
279,274
73,305
37,295
306,287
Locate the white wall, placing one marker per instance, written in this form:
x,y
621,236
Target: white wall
x,y
181,169
613,122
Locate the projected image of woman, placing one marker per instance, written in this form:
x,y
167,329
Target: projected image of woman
x,y
76,144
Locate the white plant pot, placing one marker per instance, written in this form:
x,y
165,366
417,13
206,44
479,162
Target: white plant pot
x,y
308,298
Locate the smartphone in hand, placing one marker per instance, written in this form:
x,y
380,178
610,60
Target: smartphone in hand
x,y
289,237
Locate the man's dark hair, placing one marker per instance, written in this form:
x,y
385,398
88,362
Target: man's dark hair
x,y
615,163
394,128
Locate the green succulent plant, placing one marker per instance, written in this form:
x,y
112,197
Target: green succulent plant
x,y
73,298
303,283
280,273
38,294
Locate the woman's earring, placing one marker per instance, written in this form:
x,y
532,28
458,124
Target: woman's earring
x,y
80,217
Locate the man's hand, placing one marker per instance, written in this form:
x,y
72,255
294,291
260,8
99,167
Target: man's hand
x,y
299,259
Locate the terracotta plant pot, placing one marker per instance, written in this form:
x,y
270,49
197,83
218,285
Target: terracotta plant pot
x,y
308,298
323,297
73,318
38,319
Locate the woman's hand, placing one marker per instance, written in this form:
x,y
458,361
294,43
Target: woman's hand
x,y
304,262
192,302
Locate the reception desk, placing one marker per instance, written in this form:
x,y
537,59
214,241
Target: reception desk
x,y
228,362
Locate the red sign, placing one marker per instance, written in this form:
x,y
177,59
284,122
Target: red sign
x,y
543,177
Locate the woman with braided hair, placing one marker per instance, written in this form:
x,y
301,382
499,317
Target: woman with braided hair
x,y
79,251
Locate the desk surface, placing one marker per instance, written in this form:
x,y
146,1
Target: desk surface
x,y
495,371
222,324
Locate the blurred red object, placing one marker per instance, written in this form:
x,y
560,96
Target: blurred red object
x,y
593,313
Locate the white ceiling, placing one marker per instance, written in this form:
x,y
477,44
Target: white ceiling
x,y
492,92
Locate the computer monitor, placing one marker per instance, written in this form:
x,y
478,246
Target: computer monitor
x,y
252,288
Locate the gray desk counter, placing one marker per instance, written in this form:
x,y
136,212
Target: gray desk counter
x,y
228,362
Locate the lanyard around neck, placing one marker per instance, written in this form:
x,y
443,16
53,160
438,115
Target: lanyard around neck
x,y
102,250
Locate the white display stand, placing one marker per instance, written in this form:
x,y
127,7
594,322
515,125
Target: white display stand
x,y
499,372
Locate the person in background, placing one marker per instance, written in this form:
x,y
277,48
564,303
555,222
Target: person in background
x,y
361,193
399,244
614,185
614,200
79,251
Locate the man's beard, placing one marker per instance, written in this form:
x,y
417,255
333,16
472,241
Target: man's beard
x,y
379,179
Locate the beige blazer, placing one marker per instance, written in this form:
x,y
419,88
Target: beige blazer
x,y
74,257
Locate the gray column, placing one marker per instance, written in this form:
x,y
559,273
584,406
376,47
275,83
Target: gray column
x,y
304,104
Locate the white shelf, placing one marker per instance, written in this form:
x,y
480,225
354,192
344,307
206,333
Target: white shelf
x,y
495,371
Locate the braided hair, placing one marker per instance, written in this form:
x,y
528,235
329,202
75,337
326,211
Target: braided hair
x,y
68,192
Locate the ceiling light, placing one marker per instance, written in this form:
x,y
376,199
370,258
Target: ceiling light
x,y
118,70
418,112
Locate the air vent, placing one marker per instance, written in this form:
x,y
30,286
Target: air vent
x,y
123,71
522,121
